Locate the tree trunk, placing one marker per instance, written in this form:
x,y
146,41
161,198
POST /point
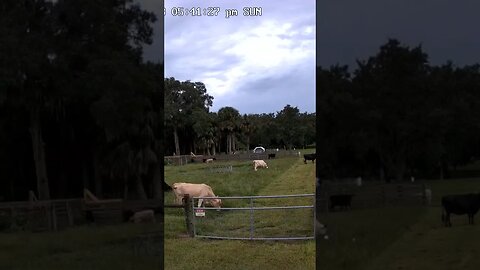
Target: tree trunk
x,y
208,148
399,171
234,143
97,176
248,143
38,146
228,144
142,195
441,171
85,174
125,189
177,143
382,173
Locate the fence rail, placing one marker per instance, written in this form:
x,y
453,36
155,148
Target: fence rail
x,y
185,159
255,208
258,197
375,194
193,224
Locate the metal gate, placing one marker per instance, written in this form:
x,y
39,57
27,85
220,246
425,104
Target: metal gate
x,y
252,209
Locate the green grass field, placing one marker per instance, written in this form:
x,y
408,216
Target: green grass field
x,y
111,247
380,238
102,248
284,176
402,237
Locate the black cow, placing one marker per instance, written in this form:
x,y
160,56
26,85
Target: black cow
x,y
271,156
460,205
342,200
309,157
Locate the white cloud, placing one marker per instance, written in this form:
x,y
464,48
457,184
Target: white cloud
x,y
232,55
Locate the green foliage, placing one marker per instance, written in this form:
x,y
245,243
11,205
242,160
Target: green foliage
x,y
397,115
73,72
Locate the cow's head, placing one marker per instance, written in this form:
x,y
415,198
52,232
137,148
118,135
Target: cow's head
x,y
217,203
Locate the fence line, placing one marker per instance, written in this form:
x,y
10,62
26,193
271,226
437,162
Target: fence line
x,y
185,159
192,224
374,194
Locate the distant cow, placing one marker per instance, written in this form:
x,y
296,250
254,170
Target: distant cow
x,y
145,216
309,157
343,201
259,164
208,160
460,205
195,190
271,156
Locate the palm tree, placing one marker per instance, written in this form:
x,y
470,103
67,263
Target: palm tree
x,y
247,128
229,121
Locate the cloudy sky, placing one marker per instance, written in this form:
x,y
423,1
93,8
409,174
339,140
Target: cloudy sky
x,y
254,64
351,29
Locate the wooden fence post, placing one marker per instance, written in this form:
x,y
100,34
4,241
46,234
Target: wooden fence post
x,y
424,195
54,216
187,206
400,192
69,213
384,196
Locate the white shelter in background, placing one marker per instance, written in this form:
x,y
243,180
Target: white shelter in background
x,y
259,150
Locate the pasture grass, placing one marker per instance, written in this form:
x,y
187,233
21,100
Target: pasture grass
x,y
84,247
430,246
402,237
284,176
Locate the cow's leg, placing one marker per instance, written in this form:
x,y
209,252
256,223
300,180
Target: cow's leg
x,y
200,201
305,161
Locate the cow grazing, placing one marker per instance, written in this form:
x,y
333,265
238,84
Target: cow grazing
x,y
311,157
259,164
195,190
208,160
144,216
460,205
342,200
271,156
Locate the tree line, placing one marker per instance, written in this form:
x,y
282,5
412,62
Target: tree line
x,y
79,106
397,116
190,127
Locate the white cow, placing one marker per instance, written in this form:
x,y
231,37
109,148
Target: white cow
x,y
259,164
145,216
210,160
195,190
